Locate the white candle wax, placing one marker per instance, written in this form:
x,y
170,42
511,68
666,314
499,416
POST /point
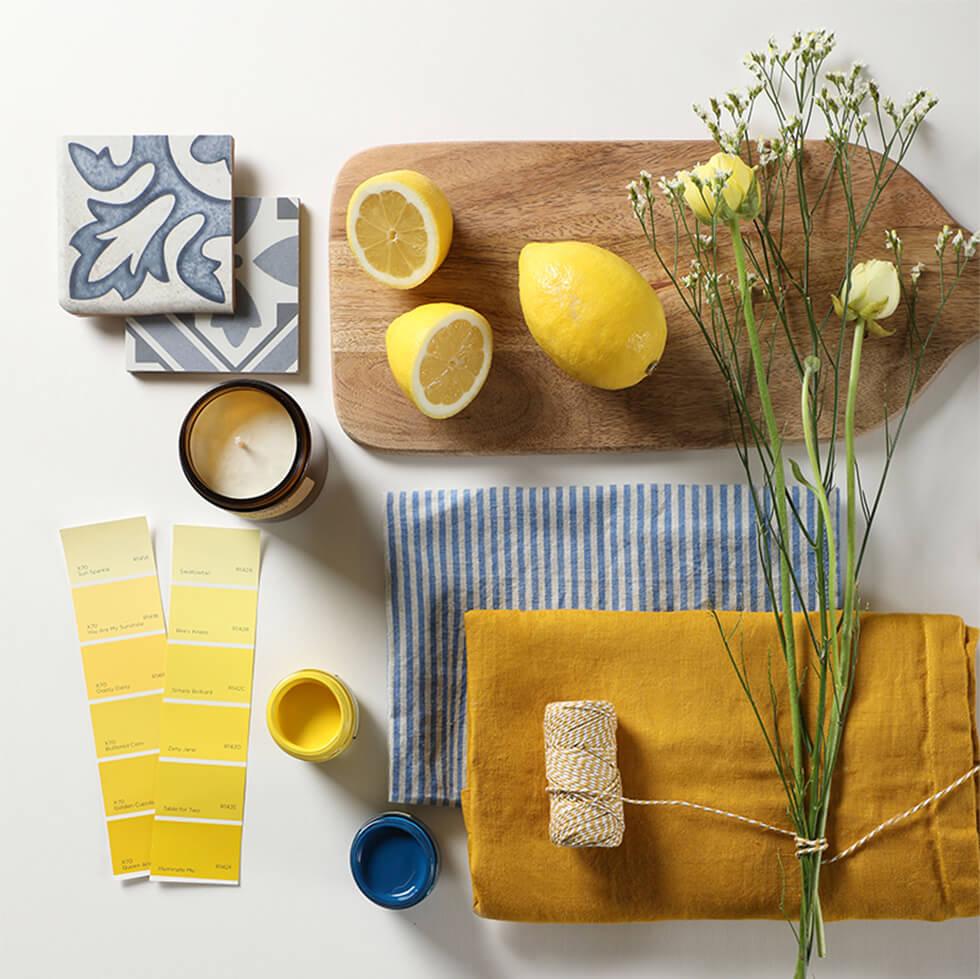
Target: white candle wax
x,y
243,444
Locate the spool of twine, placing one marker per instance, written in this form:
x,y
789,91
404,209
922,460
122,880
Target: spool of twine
x,y
586,791
583,777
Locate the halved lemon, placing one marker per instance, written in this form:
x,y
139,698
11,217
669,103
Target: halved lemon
x,y
440,355
399,226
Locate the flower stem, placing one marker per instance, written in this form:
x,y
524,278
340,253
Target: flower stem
x,y
850,574
785,613
810,437
843,653
779,482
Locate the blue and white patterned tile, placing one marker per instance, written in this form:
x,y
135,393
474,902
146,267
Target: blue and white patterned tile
x,y
262,335
146,224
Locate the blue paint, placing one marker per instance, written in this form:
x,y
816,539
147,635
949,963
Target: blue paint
x,y
394,861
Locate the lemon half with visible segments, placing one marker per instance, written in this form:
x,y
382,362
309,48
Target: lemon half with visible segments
x,y
399,226
591,312
440,355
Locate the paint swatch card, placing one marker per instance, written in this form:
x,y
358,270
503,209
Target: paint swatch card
x,y
204,719
121,631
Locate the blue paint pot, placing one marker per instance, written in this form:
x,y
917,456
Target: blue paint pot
x,y
394,860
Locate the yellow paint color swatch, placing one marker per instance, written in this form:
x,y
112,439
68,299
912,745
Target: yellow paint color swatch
x,y
196,731
196,852
209,614
204,717
127,726
201,791
124,666
209,673
120,625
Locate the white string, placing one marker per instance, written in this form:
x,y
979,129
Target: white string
x,y
584,784
935,797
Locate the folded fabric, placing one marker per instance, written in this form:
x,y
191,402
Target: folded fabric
x,y
648,547
686,732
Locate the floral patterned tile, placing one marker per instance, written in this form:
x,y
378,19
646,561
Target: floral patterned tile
x,y
262,335
146,224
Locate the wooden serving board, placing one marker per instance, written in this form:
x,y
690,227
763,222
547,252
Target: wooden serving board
x,y
506,194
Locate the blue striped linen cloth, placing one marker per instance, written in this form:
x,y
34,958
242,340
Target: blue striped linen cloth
x,y
646,547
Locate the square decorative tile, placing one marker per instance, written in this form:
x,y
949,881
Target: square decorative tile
x,y
262,335
146,224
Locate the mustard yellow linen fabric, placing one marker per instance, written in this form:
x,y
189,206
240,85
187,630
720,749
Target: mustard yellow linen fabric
x,y
686,732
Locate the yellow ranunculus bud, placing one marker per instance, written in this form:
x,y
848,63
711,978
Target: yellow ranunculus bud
x,y
873,295
739,195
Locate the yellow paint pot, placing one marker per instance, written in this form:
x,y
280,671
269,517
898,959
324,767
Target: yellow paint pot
x,y
312,715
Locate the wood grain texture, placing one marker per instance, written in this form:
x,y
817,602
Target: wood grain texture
x,y
504,195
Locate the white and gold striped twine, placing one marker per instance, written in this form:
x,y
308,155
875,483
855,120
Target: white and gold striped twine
x,y
587,794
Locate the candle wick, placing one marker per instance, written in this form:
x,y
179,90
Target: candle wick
x,y
240,442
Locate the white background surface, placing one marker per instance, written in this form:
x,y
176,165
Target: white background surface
x,y
302,87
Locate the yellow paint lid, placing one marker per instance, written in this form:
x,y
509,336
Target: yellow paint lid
x,y
312,715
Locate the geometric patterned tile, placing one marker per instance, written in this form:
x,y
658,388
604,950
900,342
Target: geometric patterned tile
x,y
145,224
262,335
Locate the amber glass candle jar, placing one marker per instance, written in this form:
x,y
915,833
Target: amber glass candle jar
x,y
247,447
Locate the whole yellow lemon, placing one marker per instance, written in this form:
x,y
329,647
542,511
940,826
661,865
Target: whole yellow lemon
x,y
591,312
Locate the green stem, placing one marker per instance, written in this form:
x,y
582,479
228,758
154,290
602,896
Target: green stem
x,y
850,574
785,614
818,913
809,435
779,485
843,654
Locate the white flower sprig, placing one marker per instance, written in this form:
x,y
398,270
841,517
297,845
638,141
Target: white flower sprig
x,y
758,183
942,239
894,244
